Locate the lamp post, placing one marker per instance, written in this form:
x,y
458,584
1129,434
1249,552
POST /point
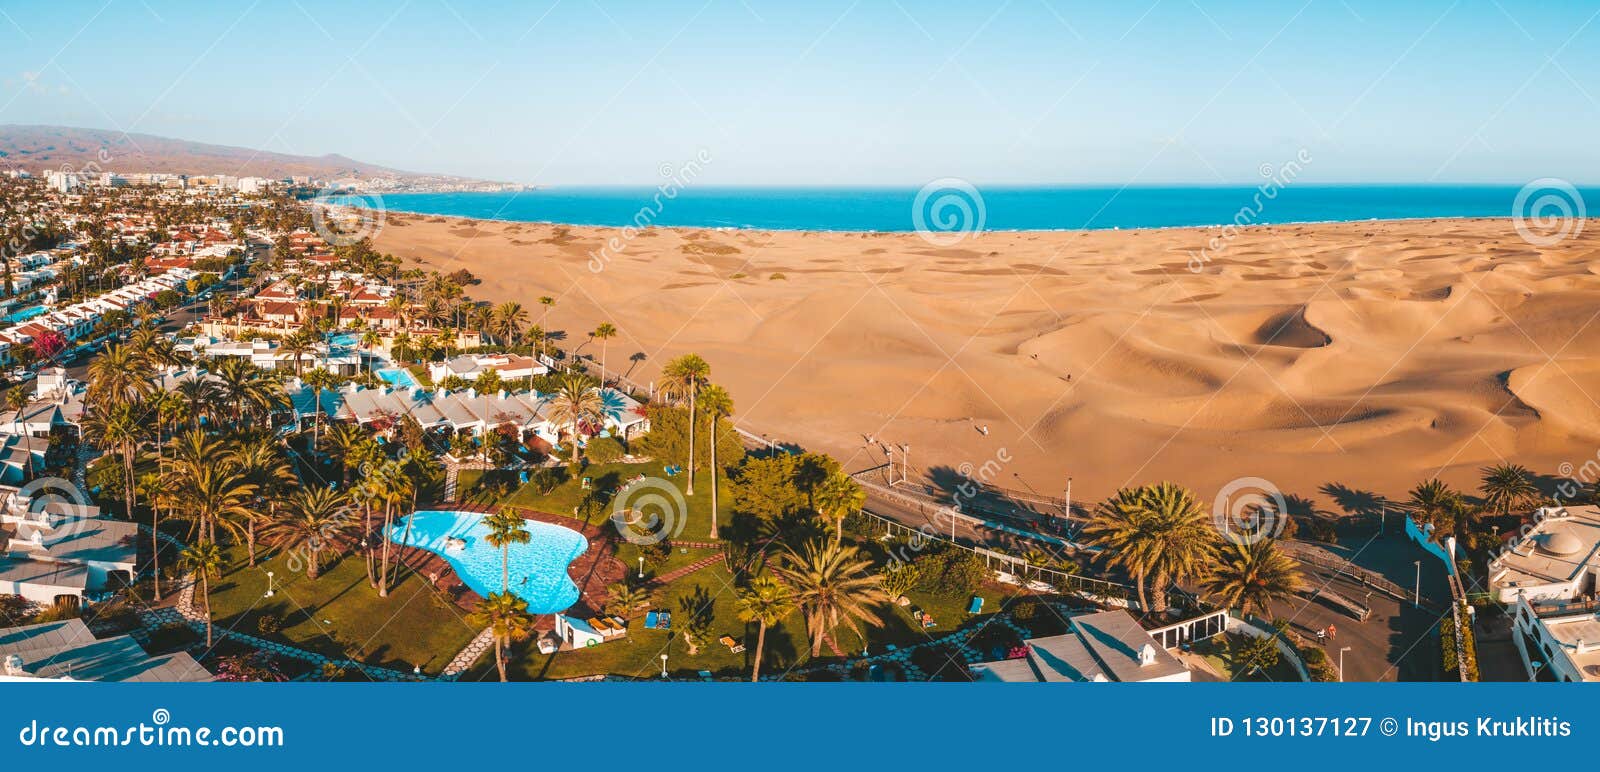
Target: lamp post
x,y
1536,665
641,566
1416,598
663,666
1341,663
269,584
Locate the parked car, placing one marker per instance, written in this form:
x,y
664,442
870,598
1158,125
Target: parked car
x,y
20,374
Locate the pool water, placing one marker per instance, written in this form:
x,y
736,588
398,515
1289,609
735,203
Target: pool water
x,y
538,568
398,376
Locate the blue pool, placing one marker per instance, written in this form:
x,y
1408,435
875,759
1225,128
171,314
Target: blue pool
x,y
538,568
398,376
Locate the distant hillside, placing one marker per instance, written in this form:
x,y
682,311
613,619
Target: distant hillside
x,y
37,148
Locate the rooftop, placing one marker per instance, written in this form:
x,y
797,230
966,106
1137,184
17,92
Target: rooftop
x,y
67,649
1557,547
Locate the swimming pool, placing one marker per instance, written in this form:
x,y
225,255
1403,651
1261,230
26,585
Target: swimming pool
x,y
538,568
398,376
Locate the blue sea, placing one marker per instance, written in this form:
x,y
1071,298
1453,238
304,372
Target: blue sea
x,y
985,208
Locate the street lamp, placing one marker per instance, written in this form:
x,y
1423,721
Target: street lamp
x,y
1341,663
1416,598
663,666
641,566
269,584
1536,665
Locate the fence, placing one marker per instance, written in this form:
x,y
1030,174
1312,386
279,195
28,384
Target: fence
x,y
1024,572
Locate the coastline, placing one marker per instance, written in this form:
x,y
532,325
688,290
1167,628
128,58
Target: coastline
x,y
1018,231
1371,354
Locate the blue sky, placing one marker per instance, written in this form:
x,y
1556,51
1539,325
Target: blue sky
x,y
838,92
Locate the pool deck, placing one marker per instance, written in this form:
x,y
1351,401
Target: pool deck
x,y
592,571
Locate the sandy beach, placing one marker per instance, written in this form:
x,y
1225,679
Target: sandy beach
x,y
1366,355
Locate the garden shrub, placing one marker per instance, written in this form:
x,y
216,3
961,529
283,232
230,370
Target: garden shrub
x,y
605,450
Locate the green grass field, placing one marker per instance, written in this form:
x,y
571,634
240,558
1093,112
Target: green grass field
x,y
610,478
338,614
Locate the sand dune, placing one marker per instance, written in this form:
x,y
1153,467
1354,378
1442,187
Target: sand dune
x,y
1365,354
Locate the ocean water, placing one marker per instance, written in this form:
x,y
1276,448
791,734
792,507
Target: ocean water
x,y
957,207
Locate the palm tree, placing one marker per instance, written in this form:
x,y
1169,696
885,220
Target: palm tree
x,y
1508,487
684,377
296,346
312,521
507,618
833,585
1254,575
1158,533
213,493
606,331
623,598
836,499
508,321
345,442
574,404
391,486
264,465
1434,503
205,560
718,404
369,341
548,303
765,601
119,427
119,374
506,529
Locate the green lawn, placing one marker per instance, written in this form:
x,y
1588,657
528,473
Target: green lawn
x,y
609,478
639,652
1218,651
338,614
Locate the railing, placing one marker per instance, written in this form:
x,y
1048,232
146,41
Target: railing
x,y
1024,571
1563,607
1322,558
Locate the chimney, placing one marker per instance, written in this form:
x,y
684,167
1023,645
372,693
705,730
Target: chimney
x,y
1147,655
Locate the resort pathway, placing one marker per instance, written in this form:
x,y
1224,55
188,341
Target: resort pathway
x,y
675,575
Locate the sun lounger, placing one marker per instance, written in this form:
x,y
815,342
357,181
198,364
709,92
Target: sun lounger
x,y
651,619
733,645
976,606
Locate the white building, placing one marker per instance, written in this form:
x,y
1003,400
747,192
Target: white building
x,y
1105,646
1549,575
470,366
56,550
68,651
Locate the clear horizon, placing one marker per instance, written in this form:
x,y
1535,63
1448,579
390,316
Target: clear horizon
x,y
839,94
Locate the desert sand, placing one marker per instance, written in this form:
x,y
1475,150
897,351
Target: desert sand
x,y
1368,355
